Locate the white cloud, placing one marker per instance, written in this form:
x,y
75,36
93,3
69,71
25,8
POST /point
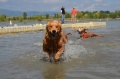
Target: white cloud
x,y
3,0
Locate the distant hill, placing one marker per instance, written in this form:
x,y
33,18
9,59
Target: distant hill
x,y
29,13
10,12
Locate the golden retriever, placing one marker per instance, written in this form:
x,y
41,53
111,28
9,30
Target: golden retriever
x,y
54,40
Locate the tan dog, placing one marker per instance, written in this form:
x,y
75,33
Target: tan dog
x,y
54,40
84,34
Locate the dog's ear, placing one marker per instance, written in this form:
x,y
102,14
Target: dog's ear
x,y
48,22
59,24
47,25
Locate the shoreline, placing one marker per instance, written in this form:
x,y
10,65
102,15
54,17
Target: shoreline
x,y
66,19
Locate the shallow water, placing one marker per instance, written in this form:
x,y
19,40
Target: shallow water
x,y
93,58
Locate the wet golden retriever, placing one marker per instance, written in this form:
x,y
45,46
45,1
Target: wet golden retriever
x,y
54,40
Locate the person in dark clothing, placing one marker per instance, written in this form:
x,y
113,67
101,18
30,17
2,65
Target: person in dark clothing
x,y
63,14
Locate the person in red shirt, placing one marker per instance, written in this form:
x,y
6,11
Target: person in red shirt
x,y
73,15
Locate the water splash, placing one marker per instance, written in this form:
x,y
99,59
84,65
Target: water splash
x,y
73,50
76,50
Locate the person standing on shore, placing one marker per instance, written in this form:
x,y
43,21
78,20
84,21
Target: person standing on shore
x,y
73,15
63,14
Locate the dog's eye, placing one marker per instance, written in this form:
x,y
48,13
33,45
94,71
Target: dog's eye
x,y
50,26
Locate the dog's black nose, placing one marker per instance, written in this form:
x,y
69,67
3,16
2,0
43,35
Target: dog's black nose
x,y
54,31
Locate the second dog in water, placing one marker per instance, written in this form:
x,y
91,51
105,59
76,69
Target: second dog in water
x,y
84,34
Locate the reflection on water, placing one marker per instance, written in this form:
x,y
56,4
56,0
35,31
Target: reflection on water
x,y
94,58
54,71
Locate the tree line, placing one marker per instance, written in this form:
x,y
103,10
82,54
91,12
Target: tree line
x,y
80,15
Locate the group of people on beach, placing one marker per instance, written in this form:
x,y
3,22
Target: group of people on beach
x,y
73,14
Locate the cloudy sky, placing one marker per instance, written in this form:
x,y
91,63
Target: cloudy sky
x,y
55,5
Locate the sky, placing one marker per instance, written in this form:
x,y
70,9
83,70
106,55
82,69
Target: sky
x,y
55,5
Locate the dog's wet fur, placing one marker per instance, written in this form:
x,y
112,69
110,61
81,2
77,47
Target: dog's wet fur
x,y
54,40
84,34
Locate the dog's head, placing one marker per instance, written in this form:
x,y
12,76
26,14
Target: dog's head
x,y
53,28
82,29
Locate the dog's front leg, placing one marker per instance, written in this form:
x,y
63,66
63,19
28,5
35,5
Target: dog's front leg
x,y
47,54
58,54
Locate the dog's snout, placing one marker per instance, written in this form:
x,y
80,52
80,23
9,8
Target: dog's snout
x,y
54,31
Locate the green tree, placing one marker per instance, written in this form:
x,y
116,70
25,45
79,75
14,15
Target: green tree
x,y
14,18
47,16
20,18
117,12
112,15
96,15
2,17
86,15
39,17
67,15
24,15
79,15
56,15
90,15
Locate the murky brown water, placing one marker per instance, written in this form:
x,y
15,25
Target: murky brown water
x,y
94,58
